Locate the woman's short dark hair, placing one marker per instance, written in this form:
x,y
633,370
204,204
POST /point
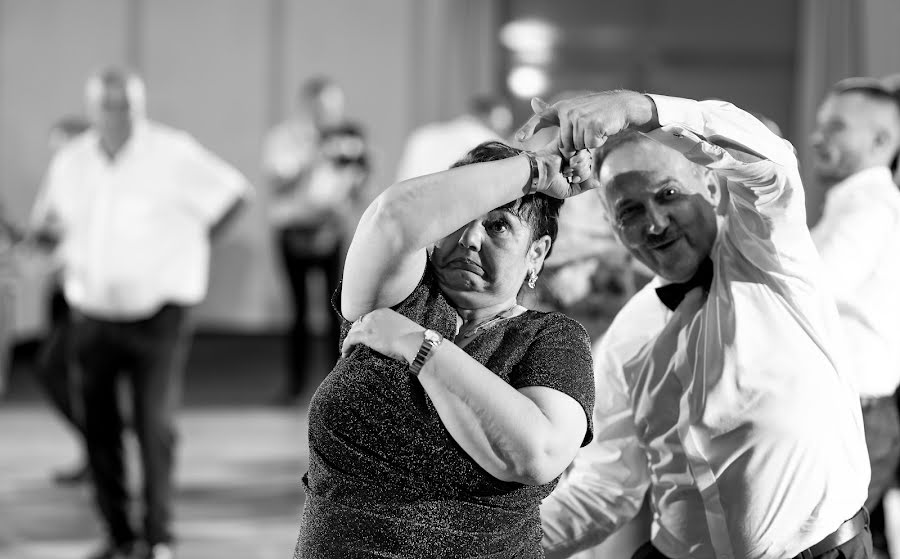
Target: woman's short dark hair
x,y
540,211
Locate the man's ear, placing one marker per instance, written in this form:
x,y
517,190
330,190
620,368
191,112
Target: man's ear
x,y
887,141
881,138
717,196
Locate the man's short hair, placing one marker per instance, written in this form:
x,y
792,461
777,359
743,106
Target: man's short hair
x,y
874,88
130,81
616,141
314,86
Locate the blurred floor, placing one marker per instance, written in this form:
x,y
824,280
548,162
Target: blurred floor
x,y
240,462
239,465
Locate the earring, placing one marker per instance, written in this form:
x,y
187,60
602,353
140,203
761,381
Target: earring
x,y
532,278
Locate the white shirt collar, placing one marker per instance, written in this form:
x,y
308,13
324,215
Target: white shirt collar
x,y
873,176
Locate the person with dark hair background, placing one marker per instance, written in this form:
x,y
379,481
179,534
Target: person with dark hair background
x,y
453,409
317,164
435,146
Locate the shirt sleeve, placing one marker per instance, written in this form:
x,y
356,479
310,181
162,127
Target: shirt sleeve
x,y
758,177
852,241
286,153
210,185
560,358
45,210
605,485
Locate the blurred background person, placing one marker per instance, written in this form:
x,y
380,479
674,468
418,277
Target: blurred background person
x,y
436,146
316,164
135,205
55,367
9,236
856,139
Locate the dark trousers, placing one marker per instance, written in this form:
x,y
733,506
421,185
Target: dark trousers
x,y
56,370
859,547
298,263
881,422
150,354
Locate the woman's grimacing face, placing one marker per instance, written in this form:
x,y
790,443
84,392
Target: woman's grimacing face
x,y
486,261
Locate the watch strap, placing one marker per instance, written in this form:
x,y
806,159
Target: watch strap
x,y
422,356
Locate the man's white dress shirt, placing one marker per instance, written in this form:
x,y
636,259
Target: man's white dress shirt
x,y
859,240
435,147
135,229
736,411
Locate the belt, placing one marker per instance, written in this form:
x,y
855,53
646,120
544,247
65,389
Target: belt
x,y
845,532
870,401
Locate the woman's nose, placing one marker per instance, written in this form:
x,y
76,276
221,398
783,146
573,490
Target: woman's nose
x,y
470,237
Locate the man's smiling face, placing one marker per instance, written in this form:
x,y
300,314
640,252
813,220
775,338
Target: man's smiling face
x,y
661,206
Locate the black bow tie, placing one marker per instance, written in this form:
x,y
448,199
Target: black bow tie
x,y
671,295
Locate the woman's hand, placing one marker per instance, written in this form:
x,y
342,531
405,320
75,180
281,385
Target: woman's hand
x,y
564,176
387,332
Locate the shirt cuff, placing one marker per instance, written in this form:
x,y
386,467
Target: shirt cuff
x,y
685,113
681,125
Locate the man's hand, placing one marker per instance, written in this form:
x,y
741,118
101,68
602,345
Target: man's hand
x,y
586,122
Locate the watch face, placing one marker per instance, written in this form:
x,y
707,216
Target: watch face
x,y
433,337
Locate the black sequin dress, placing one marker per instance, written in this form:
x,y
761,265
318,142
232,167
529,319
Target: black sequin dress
x,y
385,477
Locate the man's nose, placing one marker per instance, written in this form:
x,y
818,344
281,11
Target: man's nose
x,y
471,236
658,221
816,137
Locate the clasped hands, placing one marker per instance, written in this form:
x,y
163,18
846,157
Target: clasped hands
x,y
584,125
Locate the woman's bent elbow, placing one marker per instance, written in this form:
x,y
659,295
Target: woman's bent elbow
x,y
538,471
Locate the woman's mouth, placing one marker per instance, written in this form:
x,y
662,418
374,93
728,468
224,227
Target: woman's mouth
x,y
466,264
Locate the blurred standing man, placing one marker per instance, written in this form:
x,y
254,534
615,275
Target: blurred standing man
x,y
722,388
136,205
435,147
316,163
857,137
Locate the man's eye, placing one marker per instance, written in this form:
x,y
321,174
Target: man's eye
x,y
498,226
626,214
668,192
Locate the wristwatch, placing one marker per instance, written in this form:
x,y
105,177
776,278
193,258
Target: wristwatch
x,y
431,340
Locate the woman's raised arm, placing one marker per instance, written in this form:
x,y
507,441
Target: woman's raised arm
x,y
386,258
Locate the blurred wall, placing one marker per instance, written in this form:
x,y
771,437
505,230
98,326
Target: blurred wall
x,y
226,70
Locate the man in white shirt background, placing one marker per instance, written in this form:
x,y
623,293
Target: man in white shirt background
x,y
722,388
436,146
857,137
135,204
